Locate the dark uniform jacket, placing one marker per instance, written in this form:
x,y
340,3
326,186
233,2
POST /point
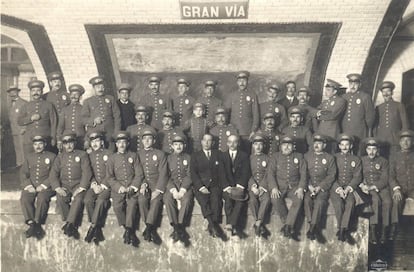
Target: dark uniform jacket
x,y
259,165
156,105
349,171
154,165
375,172
302,137
179,171
321,169
36,168
70,120
183,106
210,105
221,134
124,169
332,111
274,107
99,159
60,99
136,136
289,171
402,172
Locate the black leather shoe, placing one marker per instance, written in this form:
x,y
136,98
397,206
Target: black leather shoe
x,y
90,234
127,236
311,233
349,239
155,238
40,233
134,239
99,234
31,231
75,232
341,235
287,231
319,237
147,234
65,228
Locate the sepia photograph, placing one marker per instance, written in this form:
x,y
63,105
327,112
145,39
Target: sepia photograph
x,y
207,135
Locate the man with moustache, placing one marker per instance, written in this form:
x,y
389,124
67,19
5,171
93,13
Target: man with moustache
x,y
271,105
17,131
100,112
301,134
308,112
290,98
168,131
38,116
57,94
222,130
210,101
271,133
135,131
183,103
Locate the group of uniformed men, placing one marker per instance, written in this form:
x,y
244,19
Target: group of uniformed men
x,y
238,151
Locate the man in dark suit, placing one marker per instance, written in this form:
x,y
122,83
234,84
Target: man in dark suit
x,y
207,173
238,173
290,98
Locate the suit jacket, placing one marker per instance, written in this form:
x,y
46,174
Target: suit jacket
x,y
238,172
205,172
286,103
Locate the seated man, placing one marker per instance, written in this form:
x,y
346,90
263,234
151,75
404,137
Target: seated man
x,y
36,188
401,177
322,172
97,197
178,197
70,177
124,175
259,199
287,179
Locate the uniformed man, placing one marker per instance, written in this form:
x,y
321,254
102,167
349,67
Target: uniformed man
x,y
237,172
17,131
210,101
70,177
38,116
155,103
154,163
290,98
207,173
322,172
308,112
359,115
375,184
135,131
301,134
391,118
178,197
287,179
124,175
330,112
401,177
101,113
196,127
349,177
258,185
36,188
97,197
222,130
271,133
126,106
168,131
57,94
183,103
272,105
244,110
70,119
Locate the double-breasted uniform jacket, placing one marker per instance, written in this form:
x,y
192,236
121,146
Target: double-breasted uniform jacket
x,y
179,171
14,110
402,172
349,171
154,165
99,159
207,172
332,111
244,111
70,120
390,119
71,170
221,133
321,169
124,169
183,106
60,99
259,165
237,171
288,171
102,106
36,168
302,137
375,172
279,111
156,105
211,104
359,114
47,124
136,132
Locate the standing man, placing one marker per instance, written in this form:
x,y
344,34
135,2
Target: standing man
x,y
126,106
57,95
97,197
301,135
70,119
271,105
100,112
16,130
196,127
401,177
348,179
271,133
330,112
210,101
166,134
359,115
222,130
36,188
207,174
70,177
391,118
322,172
38,116
244,107
308,112
238,173
124,175
290,98
183,103
287,179
156,103
154,164
135,131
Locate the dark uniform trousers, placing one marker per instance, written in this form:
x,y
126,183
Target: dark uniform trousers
x,y
125,209
211,204
97,206
343,208
71,209
38,213
375,172
175,214
288,173
322,171
154,164
259,204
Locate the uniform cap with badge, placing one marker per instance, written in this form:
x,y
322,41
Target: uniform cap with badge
x,y
209,83
183,81
345,137
38,138
35,83
407,133
54,75
155,79
243,74
149,132
220,111
371,141
68,137
387,84
76,88
258,137
178,138
295,110
275,87
96,80
121,135
13,88
287,140
199,105
125,86
140,108
319,138
354,77
305,90
168,113
332,84
96,135
269,115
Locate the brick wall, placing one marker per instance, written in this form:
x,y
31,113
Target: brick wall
x,y
64,21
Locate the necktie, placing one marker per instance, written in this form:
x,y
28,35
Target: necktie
x,y
208,154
